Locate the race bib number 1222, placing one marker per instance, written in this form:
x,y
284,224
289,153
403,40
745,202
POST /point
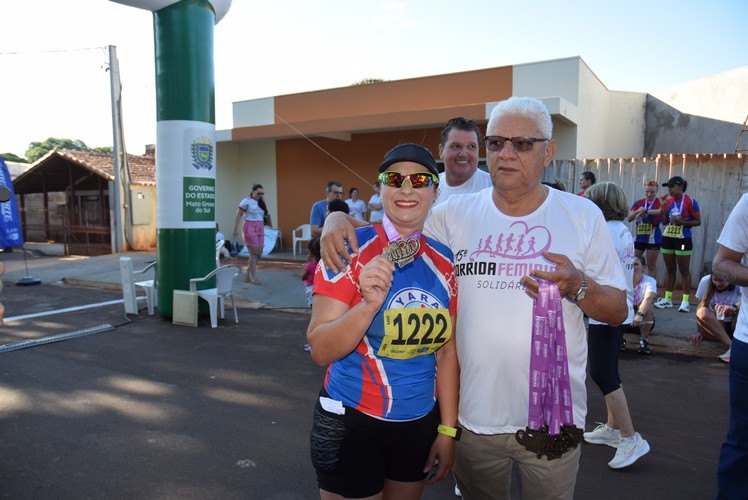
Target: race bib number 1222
x,y
411,332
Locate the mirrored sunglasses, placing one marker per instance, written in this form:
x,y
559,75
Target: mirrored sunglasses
x,y
417,179
496,143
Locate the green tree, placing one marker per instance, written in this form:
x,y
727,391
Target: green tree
x,y
367,81
13,157
38,149
102,149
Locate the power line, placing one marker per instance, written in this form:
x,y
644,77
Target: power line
x,y
302,134
32,52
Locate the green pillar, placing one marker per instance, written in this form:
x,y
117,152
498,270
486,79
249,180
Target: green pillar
x,y
186,146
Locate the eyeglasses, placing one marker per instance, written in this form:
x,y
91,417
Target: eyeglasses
x,y
496,143
337,193
417,179
651,183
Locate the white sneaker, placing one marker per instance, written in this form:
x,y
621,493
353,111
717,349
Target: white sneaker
x,y
603,435
684,307
629,451
725,356
662,303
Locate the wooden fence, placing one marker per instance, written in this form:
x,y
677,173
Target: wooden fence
x,y
716,182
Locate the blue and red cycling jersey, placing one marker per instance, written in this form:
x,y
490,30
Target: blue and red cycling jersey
x,y
648,227
369,379
688,207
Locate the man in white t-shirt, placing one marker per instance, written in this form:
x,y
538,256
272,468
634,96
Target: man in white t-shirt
x,y
730,264
503,239
459,148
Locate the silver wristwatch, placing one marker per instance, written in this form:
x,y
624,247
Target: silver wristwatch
x,y
582,290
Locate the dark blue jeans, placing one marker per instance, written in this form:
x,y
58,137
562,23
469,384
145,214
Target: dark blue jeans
x,y
732,475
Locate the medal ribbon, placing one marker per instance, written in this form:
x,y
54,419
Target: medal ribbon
x,y
402,250
550,387
392,234
679,207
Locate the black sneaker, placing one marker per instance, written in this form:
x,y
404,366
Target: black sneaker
x,y
644,347
622,347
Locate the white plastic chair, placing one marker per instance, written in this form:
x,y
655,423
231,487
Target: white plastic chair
x,y
130,286
306,235
215,297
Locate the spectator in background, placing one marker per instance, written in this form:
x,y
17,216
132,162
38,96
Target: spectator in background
x,y
459,148
604,339
337,205
680,213
357,205
586,180
645,293
307,275
253,230
719,302
376,212
319,209
224,250
646,213
728,264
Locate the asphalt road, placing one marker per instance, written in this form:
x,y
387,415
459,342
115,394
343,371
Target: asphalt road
x,y
150,410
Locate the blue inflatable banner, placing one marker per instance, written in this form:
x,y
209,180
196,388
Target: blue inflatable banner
x,y
10,222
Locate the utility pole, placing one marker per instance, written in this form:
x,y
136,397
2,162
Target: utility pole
x,y
119,159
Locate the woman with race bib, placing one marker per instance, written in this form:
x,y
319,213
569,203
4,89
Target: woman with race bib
x,y
680,213
384,326
648,236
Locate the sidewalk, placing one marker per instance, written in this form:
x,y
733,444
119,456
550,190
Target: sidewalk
x,y
282,289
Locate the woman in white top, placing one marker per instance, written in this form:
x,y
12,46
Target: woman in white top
x,y
253,230
376,212
356,206
718,307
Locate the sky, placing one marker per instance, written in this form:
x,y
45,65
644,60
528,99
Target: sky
x,y
54,57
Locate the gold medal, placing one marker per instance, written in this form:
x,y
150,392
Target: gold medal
x,y
402,252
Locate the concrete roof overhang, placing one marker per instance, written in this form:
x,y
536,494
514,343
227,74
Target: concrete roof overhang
x,y
343,127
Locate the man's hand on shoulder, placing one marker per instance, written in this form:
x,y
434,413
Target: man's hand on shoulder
x,y
338,229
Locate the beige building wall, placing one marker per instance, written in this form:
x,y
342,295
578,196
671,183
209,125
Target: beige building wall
x,y
626,124
554,81
719,97
589,120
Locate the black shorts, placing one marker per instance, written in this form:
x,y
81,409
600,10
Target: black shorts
x,y
646,246
603,342
354,453
677,245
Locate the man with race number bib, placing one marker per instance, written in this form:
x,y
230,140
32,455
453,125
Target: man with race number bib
x,y
384,326
679,214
